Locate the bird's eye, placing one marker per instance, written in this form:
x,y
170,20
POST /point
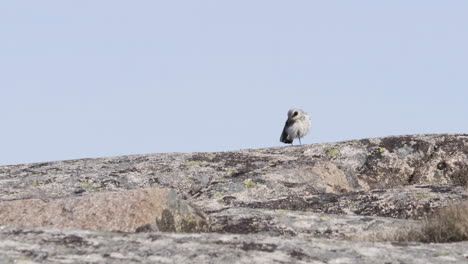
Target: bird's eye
x,y
295,114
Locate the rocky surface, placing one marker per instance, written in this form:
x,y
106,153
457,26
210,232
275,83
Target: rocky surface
x,y
126,211
66,246
292,223
314,196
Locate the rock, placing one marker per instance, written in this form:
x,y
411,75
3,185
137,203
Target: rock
x,y
290,223
309,204
411,202
78,246
254,175
126,211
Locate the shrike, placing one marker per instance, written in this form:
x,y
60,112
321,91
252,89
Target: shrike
x,y
297,126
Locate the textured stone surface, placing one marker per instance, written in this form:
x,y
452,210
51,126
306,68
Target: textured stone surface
x,y
68,246
127,211
254,175
290,223
410,202
288,204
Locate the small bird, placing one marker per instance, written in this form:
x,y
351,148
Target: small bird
x,y
297,126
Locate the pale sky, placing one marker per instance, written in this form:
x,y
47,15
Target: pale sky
x,y
83,79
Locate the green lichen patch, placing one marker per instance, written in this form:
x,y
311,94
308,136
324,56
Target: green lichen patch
x,y
197,163
218,181
249,183
210,155
323,218
381,150
231,171
333,152
258,150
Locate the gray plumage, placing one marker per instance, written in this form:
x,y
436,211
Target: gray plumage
x,y
297,126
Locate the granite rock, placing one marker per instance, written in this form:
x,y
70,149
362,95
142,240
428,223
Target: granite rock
x,y
126,211
302,204
79,246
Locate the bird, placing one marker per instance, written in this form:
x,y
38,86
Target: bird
x,y
297,126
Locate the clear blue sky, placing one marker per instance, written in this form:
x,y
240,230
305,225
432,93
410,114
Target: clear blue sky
x,y
100,78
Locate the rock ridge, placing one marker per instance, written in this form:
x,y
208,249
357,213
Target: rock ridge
x,y
304,203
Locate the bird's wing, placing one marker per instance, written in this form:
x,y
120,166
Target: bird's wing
x,y
284,135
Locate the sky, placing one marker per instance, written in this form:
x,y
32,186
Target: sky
x,y
85,79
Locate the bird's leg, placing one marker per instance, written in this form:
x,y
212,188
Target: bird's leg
x,y
300,141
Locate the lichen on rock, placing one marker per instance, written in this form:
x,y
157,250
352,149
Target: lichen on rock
x,y
276,204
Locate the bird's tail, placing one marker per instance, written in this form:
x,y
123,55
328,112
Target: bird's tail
x,y
285,139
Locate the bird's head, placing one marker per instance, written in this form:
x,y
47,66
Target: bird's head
x,y
294,114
